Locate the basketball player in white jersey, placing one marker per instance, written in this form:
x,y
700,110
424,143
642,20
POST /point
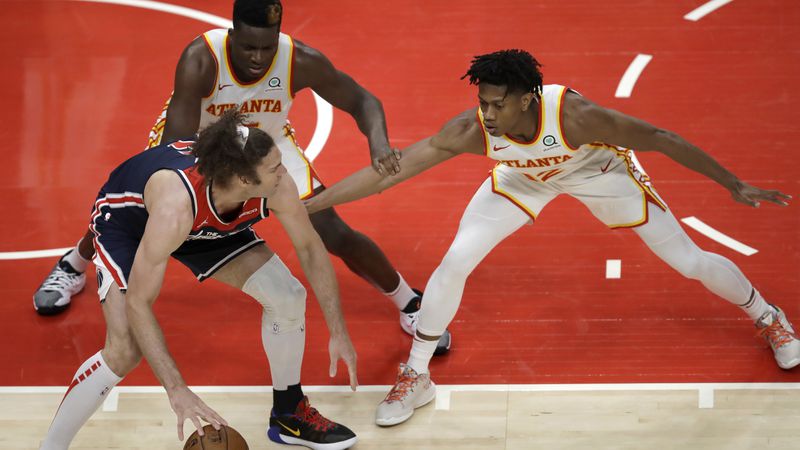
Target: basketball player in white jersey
x,y
549,140
257,69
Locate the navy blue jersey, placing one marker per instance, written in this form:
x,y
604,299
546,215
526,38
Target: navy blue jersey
x,y
119,208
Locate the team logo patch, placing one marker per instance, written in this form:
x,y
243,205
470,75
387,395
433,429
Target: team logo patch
x,y
549,140
274,82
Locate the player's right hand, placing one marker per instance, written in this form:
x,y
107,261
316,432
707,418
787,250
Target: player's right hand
x,y
187,405
340,346
751,195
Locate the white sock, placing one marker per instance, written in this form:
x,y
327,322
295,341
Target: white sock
x,y
421,354
284,352
75,259
402,294
756,306
86,393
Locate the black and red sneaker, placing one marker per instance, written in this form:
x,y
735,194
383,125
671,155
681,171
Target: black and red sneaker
x,y
309,428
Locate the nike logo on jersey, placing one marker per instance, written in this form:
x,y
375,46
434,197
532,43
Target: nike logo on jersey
x,y
294,432
496,148
603,169
223,86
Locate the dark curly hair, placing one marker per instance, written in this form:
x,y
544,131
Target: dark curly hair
x,y
257,13
219,151
516,69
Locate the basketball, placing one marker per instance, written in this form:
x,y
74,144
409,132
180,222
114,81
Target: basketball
x,y
225,439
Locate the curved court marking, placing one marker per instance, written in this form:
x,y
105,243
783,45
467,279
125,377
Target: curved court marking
x,y
723,239
632,75
34,254
703,10
324,109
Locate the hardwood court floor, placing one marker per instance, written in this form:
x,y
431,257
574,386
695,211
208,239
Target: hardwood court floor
x,y
635,420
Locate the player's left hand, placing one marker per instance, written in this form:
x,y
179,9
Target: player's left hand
x,y
751,195
340,346
385,160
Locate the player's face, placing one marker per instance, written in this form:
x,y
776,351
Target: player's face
x,y
252,50
501,109
270,171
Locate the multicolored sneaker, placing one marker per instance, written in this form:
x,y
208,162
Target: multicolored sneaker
x,y
309,428
410,392
408,322
779,333
54,295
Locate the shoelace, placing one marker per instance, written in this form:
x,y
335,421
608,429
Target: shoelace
x,y
59,279
776,334
314,418
404,384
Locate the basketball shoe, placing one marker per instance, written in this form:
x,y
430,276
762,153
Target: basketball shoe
x,y
54,295
309,428
779,333
409,392
408,322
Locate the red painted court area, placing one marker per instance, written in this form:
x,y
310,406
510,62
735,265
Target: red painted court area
x,y
85,81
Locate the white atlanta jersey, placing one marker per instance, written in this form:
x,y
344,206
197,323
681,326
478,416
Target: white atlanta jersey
x,y
606,178
266,101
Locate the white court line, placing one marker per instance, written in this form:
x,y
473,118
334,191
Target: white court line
x,y
705,390
323,128
705,9
324,109
632,75
32,254
723,239
613,268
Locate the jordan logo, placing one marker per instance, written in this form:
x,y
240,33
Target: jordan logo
x,y
223,86
496,148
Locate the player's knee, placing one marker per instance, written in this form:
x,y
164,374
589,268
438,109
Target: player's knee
x,y
456,265
122,355
281,295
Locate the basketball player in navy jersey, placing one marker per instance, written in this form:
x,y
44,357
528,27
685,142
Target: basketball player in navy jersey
x,y
549,140
196,201
257,69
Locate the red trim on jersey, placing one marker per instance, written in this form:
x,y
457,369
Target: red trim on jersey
x,y
216,66
539,128
109,263
291,66
561,120
516,202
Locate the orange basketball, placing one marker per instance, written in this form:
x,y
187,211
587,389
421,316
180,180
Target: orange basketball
x,y
225,439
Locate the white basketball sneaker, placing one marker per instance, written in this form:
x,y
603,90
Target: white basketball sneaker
x,y
779,333
409,392
55,293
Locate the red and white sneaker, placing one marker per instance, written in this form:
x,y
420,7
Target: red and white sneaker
x,y
776,329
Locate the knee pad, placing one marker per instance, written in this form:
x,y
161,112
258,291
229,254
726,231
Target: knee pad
x,y
280,294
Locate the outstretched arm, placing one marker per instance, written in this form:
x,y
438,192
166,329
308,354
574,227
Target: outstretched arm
x,y
585,122
317,266
314,70
169,222
461,135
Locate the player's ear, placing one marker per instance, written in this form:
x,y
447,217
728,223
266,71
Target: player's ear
x,y
527,99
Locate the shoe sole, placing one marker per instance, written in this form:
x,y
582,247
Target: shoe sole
x,y
274,435
790,365
400,419
51,310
